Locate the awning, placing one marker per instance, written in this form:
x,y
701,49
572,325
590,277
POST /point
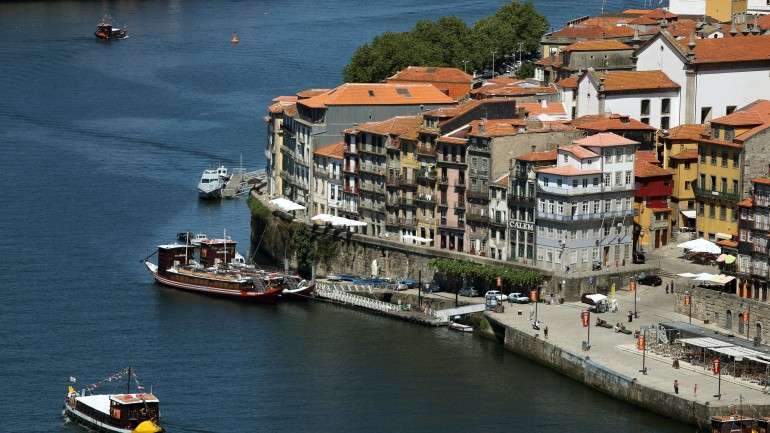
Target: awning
x,y
337,221
706,342
725,236
596,297
701,245
688,275
286,205
416,239
689,214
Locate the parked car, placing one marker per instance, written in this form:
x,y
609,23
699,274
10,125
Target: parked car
x,y
496,294
431,288
408,282
469,292
518,298
650,280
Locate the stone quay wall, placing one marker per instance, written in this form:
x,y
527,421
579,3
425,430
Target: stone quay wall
x,y
584,370
725,311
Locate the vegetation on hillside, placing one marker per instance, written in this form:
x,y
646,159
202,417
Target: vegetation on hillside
x,y
448,41
486,275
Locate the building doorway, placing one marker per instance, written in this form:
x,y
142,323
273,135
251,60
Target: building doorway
x,y
728,319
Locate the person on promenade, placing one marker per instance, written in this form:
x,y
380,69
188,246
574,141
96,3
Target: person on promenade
x,y
545,332
630,317
676,387
667,288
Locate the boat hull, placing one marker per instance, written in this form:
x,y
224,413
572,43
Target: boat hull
x,y
299,294
210,194
267,297
80,418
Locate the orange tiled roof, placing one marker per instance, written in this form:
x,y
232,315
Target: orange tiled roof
x,y
403,126
280,106
729,243
643,21
604,139
756,114
636,81
496,127
289,98
637,11
762,180
567,170
686,132
502,181
597,45
568,83
593,32
646,156
514,89
689,154
611,122
536,108
552,60
746,202
335,150
606,21
660,13
646,169
548,155
378,94
309,93
579,151
727,50
432,75
290,111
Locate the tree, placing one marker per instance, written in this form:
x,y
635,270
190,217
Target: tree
x,y
449,42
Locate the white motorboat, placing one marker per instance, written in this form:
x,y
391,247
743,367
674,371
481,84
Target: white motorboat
x,y
459,327
212,182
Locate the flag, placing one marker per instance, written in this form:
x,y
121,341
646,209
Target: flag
x,y
72,379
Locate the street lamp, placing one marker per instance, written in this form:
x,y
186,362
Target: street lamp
x,y
465,66
641,344
493,63
632,286
717,369
688,302
585,318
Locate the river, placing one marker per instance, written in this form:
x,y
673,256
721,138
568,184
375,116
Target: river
x,y
102,145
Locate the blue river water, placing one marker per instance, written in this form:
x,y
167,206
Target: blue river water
x,y
101,147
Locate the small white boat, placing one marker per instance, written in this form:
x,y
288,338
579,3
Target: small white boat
x,y
459,327
212,182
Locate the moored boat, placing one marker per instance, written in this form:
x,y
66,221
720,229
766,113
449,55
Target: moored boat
x,y
296,289
213,275
119,413
212,182
459,327
105,30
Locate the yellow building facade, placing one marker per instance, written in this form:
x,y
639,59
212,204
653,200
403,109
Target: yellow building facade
x,y
719,185
723,10
679,150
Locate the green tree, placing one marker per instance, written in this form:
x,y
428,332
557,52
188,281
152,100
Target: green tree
x,y
449,42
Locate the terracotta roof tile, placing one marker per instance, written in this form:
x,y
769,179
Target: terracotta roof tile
x,y
280,106
646,169
579,151
335,150
502,181
514,89
689,131
762,180
592,32
597,45
402,126
604,139
554,60
690,154
660,14
309,93
378,94
288,98
548,155
646,156
637,11
568,83
536,108
746,202
611,122
727,50
636,81
567,170
497,127
643,21
756,114
431,74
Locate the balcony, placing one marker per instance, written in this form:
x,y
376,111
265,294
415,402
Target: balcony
x,y
372,187
425,175
407,201
443,202
443,181
553,188
722,196
478,194
449,159
350,148
393,181
425,198
350,189
659,224
459,225
460,183
392,201
372,206
391,221
585,217
758,248
372,169
349,207
521,200
349,168
426,150
321,172
408,183
497,222
761,226
406,222
368,148
477,217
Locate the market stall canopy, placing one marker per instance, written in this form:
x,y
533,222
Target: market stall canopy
x,y
688,275
337,221
286,205
730,259
701,245
706,342
689,214
596,297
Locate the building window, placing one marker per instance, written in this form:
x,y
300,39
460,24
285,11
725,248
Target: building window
x,y
687,185
585,207
618,178
606,179
736,158
735,186
585,182
700,209
628,178
686,165
574,183
711,210
597,204
722,213
645,108
665,106
565,157
665,122
713,155
596,181
545,181
702,155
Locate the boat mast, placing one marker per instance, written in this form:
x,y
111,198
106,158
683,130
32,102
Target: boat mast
x,y
128,384
225,238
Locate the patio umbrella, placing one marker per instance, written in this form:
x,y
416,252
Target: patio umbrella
x,y
701,245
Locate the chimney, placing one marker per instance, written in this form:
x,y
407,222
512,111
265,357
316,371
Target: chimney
x,y
544,103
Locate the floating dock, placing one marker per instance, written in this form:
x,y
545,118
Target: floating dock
x,y
241,182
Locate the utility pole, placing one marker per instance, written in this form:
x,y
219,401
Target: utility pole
x,y
465,66
520,45
643,345
493,63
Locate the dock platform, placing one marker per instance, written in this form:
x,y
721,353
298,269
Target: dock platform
x,y
241,182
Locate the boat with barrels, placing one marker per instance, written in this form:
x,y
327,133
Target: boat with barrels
x,y
106,31
209,269
120,413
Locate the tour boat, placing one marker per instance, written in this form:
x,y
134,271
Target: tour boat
x,y
105,30
212,182
214,274
120,413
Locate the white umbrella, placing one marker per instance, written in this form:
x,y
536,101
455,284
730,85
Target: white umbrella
x,y
701,245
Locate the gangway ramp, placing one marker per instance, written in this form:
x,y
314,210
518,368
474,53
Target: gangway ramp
x,y
461,311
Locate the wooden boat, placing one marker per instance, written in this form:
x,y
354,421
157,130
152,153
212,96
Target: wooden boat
x,y
459,327
295,289
120,413
213,275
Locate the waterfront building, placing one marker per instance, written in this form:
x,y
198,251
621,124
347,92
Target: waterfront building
x,y
273,154
498,218
715,75
598,54
517,90
479,168
322,115
679,150
350,181
521,203
579,30
451,81
652,213
734,150
620,124
584,205
327,178
568,95
649,96
754,228
451,170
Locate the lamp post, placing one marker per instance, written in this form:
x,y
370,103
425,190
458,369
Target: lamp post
x,y
465,66
746,316
688,302
493,63
641,344
717,369
585,318
419,288
533,296
632,286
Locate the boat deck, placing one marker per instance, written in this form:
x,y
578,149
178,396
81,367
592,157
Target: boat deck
x,y
99,402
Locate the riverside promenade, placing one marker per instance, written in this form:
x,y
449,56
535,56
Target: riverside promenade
x,y
613,363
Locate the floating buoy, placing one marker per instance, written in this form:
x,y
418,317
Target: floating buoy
x,y
234,39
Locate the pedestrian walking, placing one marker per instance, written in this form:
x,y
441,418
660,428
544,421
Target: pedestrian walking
x,y
676,387
630,317
695,390
672,286
545,332
667,288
